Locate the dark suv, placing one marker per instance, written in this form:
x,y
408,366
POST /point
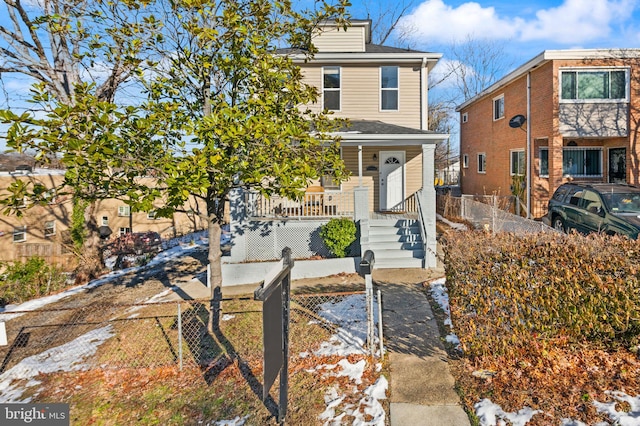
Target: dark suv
x,y
596,207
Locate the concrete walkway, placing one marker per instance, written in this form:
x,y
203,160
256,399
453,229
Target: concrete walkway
x,y
422,387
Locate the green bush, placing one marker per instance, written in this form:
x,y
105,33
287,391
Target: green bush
x,y
22,281
338,234
510,294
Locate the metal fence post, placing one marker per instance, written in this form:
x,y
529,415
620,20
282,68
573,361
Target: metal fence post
x,y
180,335
380,323
366,268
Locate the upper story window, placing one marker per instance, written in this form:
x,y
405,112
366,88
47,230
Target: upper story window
x,y
19,234
331,84
594,85
124,210
465,161
498,107
389,88
465,117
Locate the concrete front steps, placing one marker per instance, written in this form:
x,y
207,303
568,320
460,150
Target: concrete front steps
x,y
396,243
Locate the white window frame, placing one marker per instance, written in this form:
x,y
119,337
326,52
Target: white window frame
x,y
465,161
540,150
465,117
124,211
482,163
124,230
105,220
390,89
524,162
151,215
21,233
332,89
49,231
578,100
498,100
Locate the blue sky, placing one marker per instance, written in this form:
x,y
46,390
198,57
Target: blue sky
x,y
526,28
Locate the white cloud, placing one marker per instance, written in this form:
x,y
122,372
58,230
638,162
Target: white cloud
x,y
577,21
434,21
572,22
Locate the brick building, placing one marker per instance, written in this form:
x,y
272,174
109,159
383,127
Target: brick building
x,y
564,115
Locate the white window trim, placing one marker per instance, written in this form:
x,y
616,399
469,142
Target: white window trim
x,y
105,220
540,149
20,230
465,117
465,161
479,162
53,232
493,108
124,211
397,89
151,215
339,90
595,69
511,151
124,230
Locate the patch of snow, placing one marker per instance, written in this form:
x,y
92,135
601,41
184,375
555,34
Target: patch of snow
x,y
352,371
454,225
227,317
238,421
488,414
67,357
622,418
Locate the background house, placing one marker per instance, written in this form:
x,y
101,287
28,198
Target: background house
x,y
564,115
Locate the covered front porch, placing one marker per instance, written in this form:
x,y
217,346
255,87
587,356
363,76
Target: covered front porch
x,y
392,180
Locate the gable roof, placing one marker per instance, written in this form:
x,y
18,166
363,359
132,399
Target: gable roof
x,y
551,55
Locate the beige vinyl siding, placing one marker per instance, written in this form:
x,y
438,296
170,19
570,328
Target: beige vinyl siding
x,y
339,40
370,179
360,94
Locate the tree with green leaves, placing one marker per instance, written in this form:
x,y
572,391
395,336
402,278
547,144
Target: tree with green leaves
x,y
240,104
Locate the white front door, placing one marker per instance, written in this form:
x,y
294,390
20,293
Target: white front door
x,y
391,180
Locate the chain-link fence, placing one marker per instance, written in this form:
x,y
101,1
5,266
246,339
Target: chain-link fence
x,y
117,336
494,214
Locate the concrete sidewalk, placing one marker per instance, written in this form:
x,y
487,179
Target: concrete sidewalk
x,y
421,386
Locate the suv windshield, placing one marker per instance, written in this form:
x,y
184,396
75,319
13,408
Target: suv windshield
x,y
622,202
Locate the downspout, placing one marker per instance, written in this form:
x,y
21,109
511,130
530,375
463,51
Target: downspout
x,y
529,153
423,95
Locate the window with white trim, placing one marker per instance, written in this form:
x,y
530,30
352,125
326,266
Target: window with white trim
x,y
465,161
19,234
389,88
124,231
517,166
544,161
465,117
596,84
482,162
124,211
582,162
151,215
498,107
49,228
331,84
105,220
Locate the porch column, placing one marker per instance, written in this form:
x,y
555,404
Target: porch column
x,y
238,218
428,203
360,203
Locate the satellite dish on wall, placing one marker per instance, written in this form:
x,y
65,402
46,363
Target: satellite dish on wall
x,y
517,121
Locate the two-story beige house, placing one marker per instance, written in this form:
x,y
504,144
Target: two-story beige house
x,y
564,115
383,91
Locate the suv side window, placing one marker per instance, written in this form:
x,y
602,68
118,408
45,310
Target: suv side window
x,y
560,193
591,202
574,195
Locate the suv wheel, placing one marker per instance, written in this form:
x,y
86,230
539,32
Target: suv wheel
x,y
558,224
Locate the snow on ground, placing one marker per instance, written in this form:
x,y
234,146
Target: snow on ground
x,y
349,314
454,225
491,414
180,247
67,357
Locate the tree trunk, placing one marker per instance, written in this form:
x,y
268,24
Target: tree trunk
x,y
91,264
215,272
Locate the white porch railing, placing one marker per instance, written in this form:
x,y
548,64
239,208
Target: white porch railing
x,y
313,205
408,205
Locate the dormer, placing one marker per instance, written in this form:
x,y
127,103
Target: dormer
x,y
331,37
